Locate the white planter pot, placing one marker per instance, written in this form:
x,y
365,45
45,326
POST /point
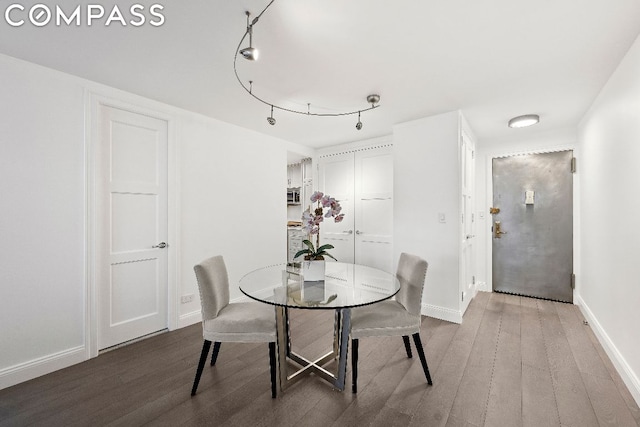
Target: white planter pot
x,y
313,271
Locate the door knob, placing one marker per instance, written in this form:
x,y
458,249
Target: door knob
x,y
358,232
160,245
470,236
348,231
497,230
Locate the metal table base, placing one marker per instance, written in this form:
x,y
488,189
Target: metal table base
x,y
342,326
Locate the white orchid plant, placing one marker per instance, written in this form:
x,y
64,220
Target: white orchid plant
x,y
311,224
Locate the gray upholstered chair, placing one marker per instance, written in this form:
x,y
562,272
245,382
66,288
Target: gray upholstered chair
x,y
224,322
393,317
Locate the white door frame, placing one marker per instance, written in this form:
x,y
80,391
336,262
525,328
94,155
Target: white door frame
x,y
489,202
139,106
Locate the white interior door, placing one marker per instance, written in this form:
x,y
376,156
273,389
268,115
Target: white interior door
x,y
467,229
132,230
335,177
373,171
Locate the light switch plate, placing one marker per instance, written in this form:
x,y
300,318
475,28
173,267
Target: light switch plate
x,y
442,218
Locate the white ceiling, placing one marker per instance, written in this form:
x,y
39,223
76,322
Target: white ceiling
x,y
492,59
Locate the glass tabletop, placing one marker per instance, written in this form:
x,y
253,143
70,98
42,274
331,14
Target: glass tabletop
x,y
345,285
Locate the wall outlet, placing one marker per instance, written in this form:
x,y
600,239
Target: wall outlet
x,y
442,218
186,298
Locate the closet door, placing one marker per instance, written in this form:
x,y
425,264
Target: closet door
x,y
335,178
373,183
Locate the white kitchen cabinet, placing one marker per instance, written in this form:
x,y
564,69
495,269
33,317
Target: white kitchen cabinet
x,y
294,175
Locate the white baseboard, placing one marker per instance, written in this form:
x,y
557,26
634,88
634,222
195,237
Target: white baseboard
x,y
189,319
43,365
442,313
626,373
482,286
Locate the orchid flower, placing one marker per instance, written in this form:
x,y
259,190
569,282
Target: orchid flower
x,y
311,220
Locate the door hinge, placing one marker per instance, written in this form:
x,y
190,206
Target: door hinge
x,y
462,296
573,281
473,280
473,155
573,165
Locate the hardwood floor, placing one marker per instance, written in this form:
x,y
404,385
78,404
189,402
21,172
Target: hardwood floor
x,y
512,362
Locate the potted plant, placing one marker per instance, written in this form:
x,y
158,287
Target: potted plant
x,y
313,265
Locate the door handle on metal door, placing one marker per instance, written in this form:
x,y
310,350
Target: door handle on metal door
x,y
497,230
160,245
348,231
359,232
470,236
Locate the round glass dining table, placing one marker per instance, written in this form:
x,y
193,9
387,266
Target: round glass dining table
x,y
344,287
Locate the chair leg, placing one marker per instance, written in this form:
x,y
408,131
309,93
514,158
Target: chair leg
x,y
272,365
214,355
203,358
418,343
407,345
354,365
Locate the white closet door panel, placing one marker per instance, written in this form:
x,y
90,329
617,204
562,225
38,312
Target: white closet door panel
x,y
335,176
132,192
373,181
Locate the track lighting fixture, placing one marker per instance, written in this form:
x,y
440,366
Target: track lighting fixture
x,y
270,119
251,53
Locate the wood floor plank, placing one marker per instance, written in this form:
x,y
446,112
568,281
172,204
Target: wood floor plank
x,y
528,362
435,406
574,406
504,404
584,353
384,379
409,392
472,396
539,407
617,380
609,406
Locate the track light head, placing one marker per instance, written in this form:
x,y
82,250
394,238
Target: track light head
x,y
270,119
359,124
250,53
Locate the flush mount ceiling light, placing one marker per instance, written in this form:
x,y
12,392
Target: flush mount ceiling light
x,y
524,121
251,53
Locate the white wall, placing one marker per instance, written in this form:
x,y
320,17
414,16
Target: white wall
x,y
231,201
42,205
608,282
426,183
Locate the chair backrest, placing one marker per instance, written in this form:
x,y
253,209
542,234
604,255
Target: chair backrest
x,y
213,282
412,271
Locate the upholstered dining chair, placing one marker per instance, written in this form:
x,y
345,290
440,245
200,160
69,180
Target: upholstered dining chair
x,y
225,322
399,317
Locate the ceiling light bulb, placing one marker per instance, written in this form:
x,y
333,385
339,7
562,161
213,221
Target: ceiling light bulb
x,y
524,121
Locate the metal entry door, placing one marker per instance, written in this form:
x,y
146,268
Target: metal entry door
x,y
533,225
